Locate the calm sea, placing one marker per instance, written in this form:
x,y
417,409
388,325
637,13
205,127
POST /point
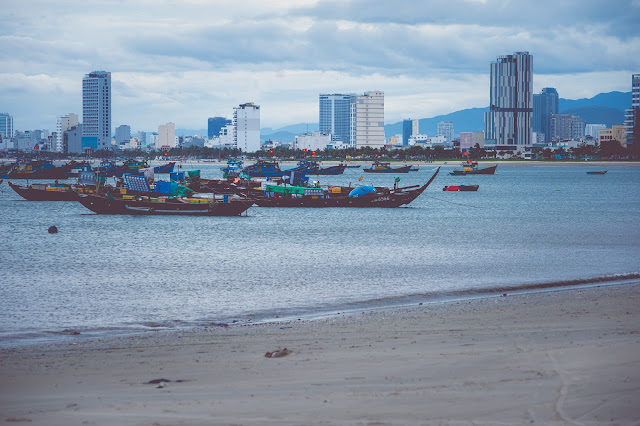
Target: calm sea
x,y
107,275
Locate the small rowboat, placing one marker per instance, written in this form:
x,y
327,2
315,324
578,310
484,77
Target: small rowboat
x,y
601,172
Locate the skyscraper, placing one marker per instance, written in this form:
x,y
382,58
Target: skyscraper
x,y
445,128
96,110
246,127
407,131
367,120
123,135
544,104
335,116
507,124
630,114
6,125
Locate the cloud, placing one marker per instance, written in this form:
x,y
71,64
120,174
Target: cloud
x,y
185,61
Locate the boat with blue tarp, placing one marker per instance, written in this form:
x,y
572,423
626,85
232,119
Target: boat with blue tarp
x,y
340,196
263,168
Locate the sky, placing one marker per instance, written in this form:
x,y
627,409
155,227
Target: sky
x,y
186,60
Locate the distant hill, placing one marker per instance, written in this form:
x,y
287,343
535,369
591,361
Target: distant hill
x,y
287,133
466,120
614,100
598,115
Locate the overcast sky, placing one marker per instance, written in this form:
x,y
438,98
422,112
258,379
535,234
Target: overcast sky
x,y
187,60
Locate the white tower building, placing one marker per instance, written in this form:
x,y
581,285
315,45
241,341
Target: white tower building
x,y
367,123
246,127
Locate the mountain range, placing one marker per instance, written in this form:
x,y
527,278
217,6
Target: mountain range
x,y
604,108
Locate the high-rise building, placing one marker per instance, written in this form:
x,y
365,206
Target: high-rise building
x,y
629,117
545,104
335,116
507,124
367,120
65,123
246,127
123,135
96,110
566,126
445,128
593,129
166,136
142,138
215,124
6,125
407,131
409,128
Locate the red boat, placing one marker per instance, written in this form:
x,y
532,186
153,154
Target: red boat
x,y
461,188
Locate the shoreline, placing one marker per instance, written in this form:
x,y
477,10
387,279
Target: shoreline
x,y
552,357
79,335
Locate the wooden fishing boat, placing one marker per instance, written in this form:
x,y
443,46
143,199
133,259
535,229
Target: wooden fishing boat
x,y
144,205
39,169
335,196
263,168
471,168
165,168
600,172
44,192
378,167
461,188
313,168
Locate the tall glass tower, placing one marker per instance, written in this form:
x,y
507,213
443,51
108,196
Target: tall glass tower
x,y
545,104
6,125
508,123
96,110
335,116
630,121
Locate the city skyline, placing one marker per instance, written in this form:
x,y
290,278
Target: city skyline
x,y
178,64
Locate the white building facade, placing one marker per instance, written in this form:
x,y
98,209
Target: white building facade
x,y
246,127
367,120
166,136
64,123
316,141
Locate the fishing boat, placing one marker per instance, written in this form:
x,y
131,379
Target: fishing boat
x,y
337,196
313,168
176,206
461,188
39,169
597,172
471,168
50,191
109,168
263,168
165,168
378,167
233,169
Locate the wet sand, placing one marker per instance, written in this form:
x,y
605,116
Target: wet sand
x,y
556,357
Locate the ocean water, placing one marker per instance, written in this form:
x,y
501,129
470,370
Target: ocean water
x,y
108,275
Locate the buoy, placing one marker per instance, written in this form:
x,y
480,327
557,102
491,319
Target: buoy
x,y
53,230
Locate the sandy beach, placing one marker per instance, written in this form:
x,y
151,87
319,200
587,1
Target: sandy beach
x,y
557,357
